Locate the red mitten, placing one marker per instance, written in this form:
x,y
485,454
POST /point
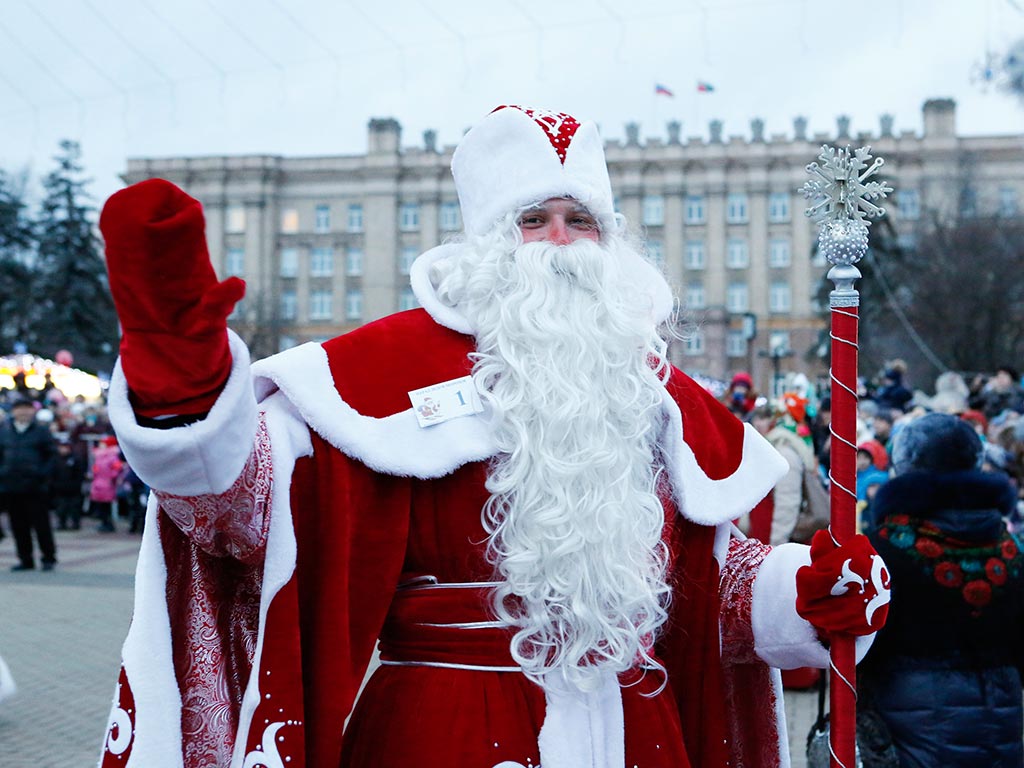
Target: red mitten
x,y
173,311
844,589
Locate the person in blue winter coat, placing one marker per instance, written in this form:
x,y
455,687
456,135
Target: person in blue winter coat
x,y
945,673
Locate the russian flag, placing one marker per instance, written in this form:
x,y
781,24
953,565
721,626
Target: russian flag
x,y
704,87
662,90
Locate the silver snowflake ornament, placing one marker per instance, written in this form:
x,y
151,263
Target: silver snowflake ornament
x,y
842,200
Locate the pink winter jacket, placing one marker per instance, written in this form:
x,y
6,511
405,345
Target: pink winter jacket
x,y
106,467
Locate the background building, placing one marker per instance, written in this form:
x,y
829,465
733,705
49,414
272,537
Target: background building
x,y
325,243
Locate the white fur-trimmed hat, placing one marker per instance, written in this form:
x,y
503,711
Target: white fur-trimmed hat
x,y
518,156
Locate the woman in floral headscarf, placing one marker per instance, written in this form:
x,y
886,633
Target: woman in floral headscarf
x,y
944,674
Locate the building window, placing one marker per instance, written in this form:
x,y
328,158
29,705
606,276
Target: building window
x,y
656,253
286,342
695,258
450,218
355,218
407,257
695,209
320,305
736,344
407,300
354,305
779,297
289,305
778,207
908,203
969,203
234,262
289,221
238,312
693,345
354,262
322,222
695,296
736,208
778,253
321,262
736,298
654,210
234,219
1007,201
409,217
736,254
289,262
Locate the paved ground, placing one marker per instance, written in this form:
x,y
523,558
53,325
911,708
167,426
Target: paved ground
x,y
61,634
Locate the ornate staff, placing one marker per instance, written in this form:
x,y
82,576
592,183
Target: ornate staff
x,y
843,204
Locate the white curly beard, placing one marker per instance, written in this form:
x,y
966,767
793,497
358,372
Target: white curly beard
x,y
572,363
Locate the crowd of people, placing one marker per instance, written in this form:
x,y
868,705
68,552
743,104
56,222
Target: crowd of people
x,y
940,489
60,462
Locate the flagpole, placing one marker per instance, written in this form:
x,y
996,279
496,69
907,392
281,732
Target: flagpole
x,y
844,196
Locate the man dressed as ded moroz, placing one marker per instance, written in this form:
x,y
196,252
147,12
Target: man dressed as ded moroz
x,y
510,488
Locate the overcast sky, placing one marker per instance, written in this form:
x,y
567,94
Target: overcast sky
x,y
142,78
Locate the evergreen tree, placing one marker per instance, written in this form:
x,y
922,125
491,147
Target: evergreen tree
x,y
76,311
16,274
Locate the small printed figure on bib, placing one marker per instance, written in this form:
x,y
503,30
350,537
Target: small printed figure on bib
x,y
448,400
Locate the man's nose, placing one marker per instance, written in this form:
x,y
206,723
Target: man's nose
x,y
559,232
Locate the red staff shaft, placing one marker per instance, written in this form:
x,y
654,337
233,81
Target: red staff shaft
x,y
843,474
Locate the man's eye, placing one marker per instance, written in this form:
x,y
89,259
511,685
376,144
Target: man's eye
x,y
584,222
531,221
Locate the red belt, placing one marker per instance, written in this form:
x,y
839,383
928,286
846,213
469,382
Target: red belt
x,y
446,625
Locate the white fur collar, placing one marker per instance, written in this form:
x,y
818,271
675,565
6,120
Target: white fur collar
x,y
397,445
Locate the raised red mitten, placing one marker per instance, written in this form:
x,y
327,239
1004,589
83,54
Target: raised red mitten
x,y
844,589
173,311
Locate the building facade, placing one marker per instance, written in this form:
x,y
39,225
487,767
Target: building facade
x,y
325,243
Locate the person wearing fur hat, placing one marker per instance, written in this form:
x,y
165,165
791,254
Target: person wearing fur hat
x,y
944,673
510,488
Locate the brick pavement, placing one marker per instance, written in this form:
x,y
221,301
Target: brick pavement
x,y
61,634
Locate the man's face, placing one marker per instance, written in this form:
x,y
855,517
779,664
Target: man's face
x,y
560,221
881,427
22,414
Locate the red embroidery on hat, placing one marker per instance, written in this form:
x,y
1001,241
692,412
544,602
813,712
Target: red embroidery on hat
x,y
558,126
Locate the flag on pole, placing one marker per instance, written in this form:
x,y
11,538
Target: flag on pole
x,y
661,90
704,87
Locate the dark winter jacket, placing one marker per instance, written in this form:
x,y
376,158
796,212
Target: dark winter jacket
x,y
944,673
68,475
893,396
994,401
26,459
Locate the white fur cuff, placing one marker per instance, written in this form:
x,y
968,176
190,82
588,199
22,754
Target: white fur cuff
x,y
781,637
201,458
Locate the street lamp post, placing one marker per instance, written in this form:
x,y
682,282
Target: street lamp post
x,y
777,353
